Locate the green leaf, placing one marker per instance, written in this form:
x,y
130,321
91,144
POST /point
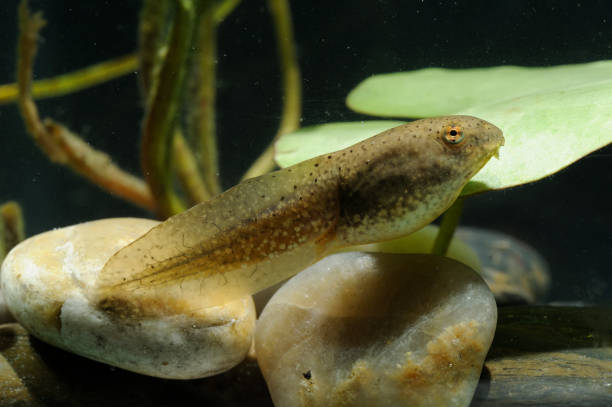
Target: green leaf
x,y
439,92
545,132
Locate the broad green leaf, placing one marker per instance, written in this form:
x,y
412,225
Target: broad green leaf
x,y
545,132
439,92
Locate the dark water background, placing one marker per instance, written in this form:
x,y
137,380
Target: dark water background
x,y
567,217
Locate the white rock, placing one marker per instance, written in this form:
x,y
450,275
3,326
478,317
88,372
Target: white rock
x,y
45,281
362,329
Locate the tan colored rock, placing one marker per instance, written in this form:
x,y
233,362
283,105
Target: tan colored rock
x,y
513,270
362,329
47,279
421,241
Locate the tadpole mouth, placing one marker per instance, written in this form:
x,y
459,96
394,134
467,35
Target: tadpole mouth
x,y
498,143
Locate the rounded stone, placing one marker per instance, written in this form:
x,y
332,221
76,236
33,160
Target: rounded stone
x,y
513,270
46,280
361,329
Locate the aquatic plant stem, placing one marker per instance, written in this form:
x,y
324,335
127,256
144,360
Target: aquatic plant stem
x,y
223,9
59,144
449,223
292,91
201,182
152,39
151,33
187,171
202,96
96,74
74,81
161,116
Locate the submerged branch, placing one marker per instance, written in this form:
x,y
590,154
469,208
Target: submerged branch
x,y
292,96
449,223
160,119
74,81
98,167
56,141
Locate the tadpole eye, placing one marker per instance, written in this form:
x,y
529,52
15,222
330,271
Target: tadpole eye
x,y
454,135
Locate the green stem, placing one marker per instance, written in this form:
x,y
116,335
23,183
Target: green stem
x,y
449,223
223,9
73,81
292,97
187,171
202,95
162,113
153,20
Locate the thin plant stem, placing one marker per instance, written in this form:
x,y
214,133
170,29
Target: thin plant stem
x,y
57,142
199,174
102,72
292,91
160,119
98,167
202,97
151,35
74,81
187,171
449,223
203,184
223,9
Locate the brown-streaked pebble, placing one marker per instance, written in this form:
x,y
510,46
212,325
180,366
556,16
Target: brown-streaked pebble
x,y
360,329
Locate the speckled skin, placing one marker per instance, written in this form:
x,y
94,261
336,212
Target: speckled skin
x,y
268,228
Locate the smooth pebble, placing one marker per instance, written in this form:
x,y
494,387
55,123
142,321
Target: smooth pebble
x,y
359,329
46,280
